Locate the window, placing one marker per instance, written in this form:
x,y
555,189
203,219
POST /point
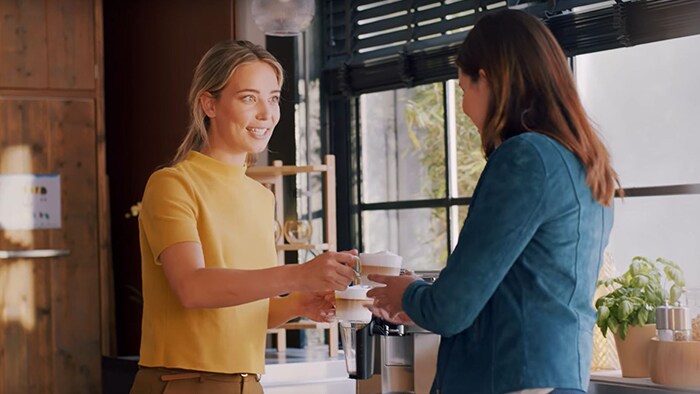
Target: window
x,y
644,101
408,159
419,160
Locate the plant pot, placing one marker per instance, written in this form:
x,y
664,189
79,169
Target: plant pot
x,y
634,351
675,364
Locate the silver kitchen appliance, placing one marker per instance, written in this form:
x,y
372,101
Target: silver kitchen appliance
x,y
390,358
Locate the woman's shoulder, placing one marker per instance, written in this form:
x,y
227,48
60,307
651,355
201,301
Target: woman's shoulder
x,y
164,173
537,141
560,165
167,178
523,150
547,149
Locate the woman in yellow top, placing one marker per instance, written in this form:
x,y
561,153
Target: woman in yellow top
x,y
208,251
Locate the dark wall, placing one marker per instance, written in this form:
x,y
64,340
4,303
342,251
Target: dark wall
x,y
151,50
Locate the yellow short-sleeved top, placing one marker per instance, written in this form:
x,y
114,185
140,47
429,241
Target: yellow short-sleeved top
x,y
215,204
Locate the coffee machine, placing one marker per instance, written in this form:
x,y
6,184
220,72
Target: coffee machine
x,y
390,358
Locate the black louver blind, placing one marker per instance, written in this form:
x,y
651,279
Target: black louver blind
x,y
379,45
371,30
648,21
625,24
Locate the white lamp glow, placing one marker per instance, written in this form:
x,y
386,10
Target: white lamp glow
x,y
283,17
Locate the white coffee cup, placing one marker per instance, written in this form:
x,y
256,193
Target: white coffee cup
x,y
384,263
350,304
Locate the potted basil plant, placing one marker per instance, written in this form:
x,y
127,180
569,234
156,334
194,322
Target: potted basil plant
x,y
628,310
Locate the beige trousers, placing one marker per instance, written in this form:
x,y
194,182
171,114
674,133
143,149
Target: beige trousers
x,y
180,381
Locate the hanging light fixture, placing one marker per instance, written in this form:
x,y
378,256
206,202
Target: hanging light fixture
x,y
283,17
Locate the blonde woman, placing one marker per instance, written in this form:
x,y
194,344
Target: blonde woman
x,y
210,278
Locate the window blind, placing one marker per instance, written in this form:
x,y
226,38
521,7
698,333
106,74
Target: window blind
x,y
379,45
624,24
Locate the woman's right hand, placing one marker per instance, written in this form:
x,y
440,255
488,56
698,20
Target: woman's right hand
x,y
328,271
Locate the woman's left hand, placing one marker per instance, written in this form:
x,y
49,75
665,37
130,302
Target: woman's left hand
x,y
317,306
389,298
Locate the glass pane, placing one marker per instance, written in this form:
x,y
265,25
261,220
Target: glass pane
x,y
646,110
458,213
419,235
463,212
403,144
663,226
470,159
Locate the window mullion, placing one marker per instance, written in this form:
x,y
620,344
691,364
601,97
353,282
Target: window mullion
x,y
451,159
359,121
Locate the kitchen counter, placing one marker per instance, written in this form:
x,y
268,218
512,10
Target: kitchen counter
x,y
612,382
308,371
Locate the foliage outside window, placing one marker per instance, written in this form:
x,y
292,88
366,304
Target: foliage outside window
x,y
417,149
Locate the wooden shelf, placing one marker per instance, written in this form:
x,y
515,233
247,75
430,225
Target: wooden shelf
x,y
272,177
306,325
271,171
332,327
292,247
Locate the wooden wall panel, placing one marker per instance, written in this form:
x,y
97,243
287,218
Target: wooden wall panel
x,y
56,348
76,350
71,44
51,113
25,283
47,44
39,340
23,44
107,322
22,121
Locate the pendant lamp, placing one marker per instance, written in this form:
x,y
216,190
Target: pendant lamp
x,y
283,17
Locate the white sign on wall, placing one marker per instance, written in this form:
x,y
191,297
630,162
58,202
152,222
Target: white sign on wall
x,y
30,201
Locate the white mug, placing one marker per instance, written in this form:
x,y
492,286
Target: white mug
x,y
350,304
384,263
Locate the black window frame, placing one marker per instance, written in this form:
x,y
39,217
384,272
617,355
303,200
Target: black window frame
x,y
597,26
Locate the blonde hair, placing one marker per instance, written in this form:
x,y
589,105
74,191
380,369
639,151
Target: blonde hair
x,y
211,76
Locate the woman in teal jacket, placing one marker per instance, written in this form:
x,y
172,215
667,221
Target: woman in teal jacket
x,y
514,303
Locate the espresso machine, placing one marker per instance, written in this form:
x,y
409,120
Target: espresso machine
x,y
390,358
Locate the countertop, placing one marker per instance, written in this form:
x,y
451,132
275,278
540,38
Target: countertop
x,y
612,382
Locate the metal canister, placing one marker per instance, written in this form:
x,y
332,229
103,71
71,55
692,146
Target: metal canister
x,y
681,324
664,323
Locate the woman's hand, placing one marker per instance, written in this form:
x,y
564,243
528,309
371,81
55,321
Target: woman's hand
x,y
317,306
387,299
400,318
328,271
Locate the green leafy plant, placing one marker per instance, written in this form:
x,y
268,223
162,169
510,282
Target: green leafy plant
x,y
134,211
637,293
425,125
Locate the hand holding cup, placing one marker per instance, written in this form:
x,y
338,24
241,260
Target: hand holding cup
x,y
328,271
388,298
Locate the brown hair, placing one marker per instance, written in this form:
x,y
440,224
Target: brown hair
x,y
533,90
211,75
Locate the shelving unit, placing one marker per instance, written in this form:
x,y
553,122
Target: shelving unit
x,y
271,177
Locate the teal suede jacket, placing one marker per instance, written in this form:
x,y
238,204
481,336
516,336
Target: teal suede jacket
x,y
514,303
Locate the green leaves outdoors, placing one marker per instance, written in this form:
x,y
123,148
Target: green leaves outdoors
x,y
425,124
637,293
